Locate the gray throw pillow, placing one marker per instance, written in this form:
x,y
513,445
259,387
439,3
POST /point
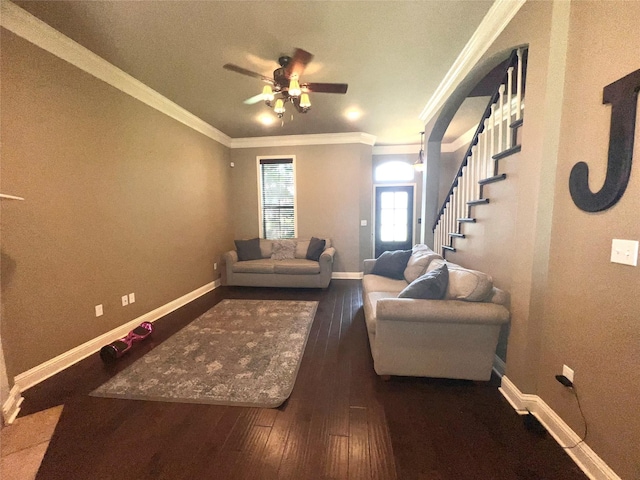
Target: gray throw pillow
x,y
248,249
392,264
316,247
430,286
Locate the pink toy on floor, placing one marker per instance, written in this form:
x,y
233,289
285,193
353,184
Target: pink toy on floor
x,y
111,352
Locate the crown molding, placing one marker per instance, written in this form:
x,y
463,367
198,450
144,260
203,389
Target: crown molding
x,y
25,25
492,25
409,149
300,140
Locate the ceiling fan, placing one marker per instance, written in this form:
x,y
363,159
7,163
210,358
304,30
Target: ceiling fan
x,y
285,85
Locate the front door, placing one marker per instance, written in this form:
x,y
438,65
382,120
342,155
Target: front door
x,y
394,219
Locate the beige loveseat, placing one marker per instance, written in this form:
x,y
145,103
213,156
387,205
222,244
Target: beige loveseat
x,y
450,338
297,272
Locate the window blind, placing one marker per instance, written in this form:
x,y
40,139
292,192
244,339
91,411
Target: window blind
x,y
278,198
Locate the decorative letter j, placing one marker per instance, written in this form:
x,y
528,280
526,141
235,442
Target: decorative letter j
x,y
622,95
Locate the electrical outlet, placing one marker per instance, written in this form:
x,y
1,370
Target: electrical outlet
x,y
99,311
567,372
132,298
125,300
215,266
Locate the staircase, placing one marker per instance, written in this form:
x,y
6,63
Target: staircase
x,y
496,138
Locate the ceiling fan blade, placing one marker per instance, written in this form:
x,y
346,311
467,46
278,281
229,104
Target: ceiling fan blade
x,y
298,63
244,71
325,87
255,99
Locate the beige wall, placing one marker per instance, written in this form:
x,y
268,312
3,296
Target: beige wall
x,y
592,315
333,194
119,198
570,305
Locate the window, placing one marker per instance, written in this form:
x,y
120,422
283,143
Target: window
x,y
394,206
277,193
394,171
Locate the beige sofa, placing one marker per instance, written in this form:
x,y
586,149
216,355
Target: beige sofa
x,y
297,272
450,338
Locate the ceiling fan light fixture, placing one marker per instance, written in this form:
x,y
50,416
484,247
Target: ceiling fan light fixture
x,y
304,101
279,108
267,93
294,87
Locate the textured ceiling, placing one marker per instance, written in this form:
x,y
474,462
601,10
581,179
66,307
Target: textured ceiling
x,y
393,55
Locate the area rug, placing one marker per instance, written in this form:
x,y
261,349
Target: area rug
x,y
241,352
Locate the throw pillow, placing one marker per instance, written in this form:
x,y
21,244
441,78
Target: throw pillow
x,y
419,261
248,249
316,247
392,264
283,250
465,284
430,286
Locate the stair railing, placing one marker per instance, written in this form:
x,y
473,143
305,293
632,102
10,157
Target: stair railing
x,y
494,138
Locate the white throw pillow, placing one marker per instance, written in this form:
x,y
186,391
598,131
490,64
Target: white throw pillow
x,y
283,250
418,262
465,284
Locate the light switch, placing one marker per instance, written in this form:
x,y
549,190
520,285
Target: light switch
x,y
363,223
624,251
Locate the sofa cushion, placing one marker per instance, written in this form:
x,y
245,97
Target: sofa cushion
x,y
301,248
376,283
316,247
263,265
430,286
248,249
465,284
283,250
266,246
417,265
297,266
392,264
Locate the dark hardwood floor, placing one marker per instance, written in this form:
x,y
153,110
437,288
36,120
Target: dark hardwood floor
x,y
340,422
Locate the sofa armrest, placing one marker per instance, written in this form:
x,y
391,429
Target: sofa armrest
x,y
327,255
440,311
230,257
367,266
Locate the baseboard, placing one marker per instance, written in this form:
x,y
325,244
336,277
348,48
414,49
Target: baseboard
x,y
591,464
49,368
11,406
499,366
347,275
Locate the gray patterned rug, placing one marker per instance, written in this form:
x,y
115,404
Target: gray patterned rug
x,y
241,352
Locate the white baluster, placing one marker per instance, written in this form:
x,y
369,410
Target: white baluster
x,y
485,144
519,86
448,219
509,98
463,200
501,124
492,125
478,166
472,174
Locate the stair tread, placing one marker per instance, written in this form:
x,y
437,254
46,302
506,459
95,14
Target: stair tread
x,y
507,152
480,201
495,178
